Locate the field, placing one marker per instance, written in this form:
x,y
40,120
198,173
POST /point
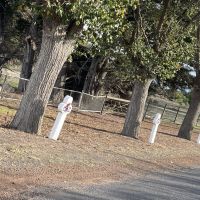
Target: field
x,y
89,151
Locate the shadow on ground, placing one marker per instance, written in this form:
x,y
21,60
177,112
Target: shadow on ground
x,y
177,184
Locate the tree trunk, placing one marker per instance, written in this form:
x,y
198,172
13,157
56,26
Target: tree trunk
x,y
90,75
99,84
1,23
193,112
28,59
57,95
192,115
100,77
58,43
93,83
27,65
136,107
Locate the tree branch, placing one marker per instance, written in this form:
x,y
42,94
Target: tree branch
x,y
162,18
160,24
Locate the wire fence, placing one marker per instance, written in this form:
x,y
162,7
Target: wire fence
x,y
170,112
13,87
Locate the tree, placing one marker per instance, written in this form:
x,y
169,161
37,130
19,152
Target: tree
x,y
153,43
192,114
57,95
96,74
63,22
32,44
2,10
11,44
29,55
179,85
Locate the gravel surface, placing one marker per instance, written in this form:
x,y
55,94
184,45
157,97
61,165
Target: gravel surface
x,y
169,185
90,151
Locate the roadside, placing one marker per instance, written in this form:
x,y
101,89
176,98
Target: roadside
x,y
169,185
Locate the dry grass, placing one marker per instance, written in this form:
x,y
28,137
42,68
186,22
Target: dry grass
x,y
90,150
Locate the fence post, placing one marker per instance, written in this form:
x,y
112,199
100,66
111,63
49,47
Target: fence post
x,y
177,114
80,100
146,110
3,86
103,104
163,110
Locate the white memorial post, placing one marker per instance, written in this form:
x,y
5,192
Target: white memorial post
x,y
198,140
156,122
64,109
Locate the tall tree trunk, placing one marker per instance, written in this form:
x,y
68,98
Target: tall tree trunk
x,y
194,108
57,95
90,75
136,107
29,54
192,114
100,77
27,65
92,81
58,43
2,22
99,84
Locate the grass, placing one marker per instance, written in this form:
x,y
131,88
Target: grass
x,y
7,111
90,150
14,84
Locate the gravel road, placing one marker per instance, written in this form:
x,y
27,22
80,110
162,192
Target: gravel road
x,y
172,185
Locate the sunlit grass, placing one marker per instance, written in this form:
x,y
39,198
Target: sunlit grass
x,y
6,111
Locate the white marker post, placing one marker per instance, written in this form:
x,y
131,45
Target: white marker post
x,y
198,140
64,109
156,122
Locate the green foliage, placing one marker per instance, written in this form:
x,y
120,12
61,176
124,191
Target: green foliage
x,y
11,42
150,51
80,10
127,32
103,18
181,98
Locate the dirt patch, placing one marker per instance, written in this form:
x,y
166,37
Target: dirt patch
x,y
90,150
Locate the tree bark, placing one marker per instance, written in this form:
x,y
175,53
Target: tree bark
x,y
27,65
93,82
90,75
136,107
29,54
58,43
57,95
99,84
2,22
193,112
100,77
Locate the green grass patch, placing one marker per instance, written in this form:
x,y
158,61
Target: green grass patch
x,y
6,111
14,84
